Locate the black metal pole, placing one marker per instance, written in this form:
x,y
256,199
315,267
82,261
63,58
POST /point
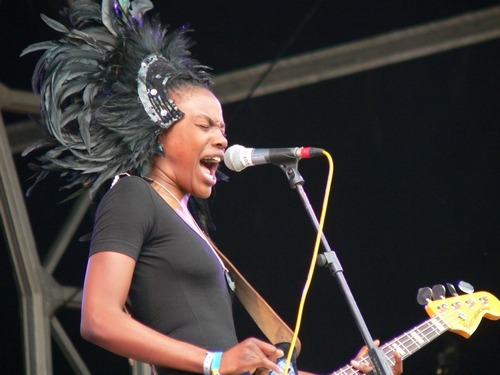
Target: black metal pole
x,y
329,259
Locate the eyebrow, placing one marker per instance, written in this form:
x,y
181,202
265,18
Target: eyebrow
x,y
211,122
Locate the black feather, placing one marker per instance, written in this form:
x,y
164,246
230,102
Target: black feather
x,y
91,113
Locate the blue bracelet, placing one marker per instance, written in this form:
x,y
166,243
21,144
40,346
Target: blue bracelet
x,y
216,363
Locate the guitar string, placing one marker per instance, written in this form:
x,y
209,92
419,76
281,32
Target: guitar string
x,y
387,347
428,329
427,326
387,350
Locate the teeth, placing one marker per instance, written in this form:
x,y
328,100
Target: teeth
x,y
215,159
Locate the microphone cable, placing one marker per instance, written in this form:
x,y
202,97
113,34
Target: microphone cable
x,y
313,261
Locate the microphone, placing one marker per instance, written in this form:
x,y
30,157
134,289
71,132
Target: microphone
x,y
238,157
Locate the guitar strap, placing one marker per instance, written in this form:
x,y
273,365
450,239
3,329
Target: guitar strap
x,y
269,322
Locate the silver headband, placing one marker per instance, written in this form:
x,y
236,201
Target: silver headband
x,y
152,89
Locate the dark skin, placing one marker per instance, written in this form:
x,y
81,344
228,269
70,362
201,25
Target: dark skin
x,y
198,137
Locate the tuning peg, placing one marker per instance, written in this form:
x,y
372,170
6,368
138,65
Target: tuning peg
x,y
451,289
465,287
438,291
424,295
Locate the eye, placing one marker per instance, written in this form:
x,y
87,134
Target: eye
x,y
204,126
210,127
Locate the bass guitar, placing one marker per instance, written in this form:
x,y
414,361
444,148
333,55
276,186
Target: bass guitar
x,y
458,314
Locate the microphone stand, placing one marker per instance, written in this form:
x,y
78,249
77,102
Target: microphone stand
x,y
329,259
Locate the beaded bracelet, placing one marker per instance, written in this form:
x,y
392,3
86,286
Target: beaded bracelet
x,y
216,363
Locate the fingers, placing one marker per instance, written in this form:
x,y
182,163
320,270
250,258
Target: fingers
x,y
249,355
364,350
361,364
365,367
271,352
398,364
361,367
271,355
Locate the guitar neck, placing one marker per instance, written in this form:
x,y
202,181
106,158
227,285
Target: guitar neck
x,y
406,344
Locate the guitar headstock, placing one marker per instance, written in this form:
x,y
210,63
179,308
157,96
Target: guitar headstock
x,y
462,314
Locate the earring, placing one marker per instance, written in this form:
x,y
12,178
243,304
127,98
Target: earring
x,y
159,148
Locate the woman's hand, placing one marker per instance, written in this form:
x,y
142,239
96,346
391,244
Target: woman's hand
x,y
364,367
248,356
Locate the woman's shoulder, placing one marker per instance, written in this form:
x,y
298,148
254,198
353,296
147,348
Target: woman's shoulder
x,y
128,186
130,182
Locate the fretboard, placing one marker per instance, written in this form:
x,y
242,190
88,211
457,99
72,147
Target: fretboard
x,y
406,344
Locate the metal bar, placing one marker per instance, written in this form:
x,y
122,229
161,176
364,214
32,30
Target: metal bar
x,y
22,134
140,368
363,55
26,265
66,233
68,349
350,58
18,100
39,295
72,297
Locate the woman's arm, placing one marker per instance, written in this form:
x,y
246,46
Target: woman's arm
x,y
105,323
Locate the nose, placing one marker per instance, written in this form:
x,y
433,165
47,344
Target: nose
x,y
221,140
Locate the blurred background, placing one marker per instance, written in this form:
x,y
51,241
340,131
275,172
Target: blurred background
x,y
403,95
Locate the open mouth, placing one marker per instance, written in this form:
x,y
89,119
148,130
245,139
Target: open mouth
x,y
211,163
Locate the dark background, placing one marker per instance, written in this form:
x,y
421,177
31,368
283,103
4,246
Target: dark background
x,y
415,194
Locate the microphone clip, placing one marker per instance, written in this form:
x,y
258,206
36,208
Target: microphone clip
x,y
291,169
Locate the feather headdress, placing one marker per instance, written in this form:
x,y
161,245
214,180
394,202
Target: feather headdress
x,y
105,90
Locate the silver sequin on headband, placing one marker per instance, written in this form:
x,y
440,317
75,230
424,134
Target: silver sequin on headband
x,y
151,87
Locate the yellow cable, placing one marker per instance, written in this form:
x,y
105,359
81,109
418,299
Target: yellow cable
x,y
313,261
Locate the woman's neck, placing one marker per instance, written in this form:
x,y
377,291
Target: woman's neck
x,y
179,206
169,194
